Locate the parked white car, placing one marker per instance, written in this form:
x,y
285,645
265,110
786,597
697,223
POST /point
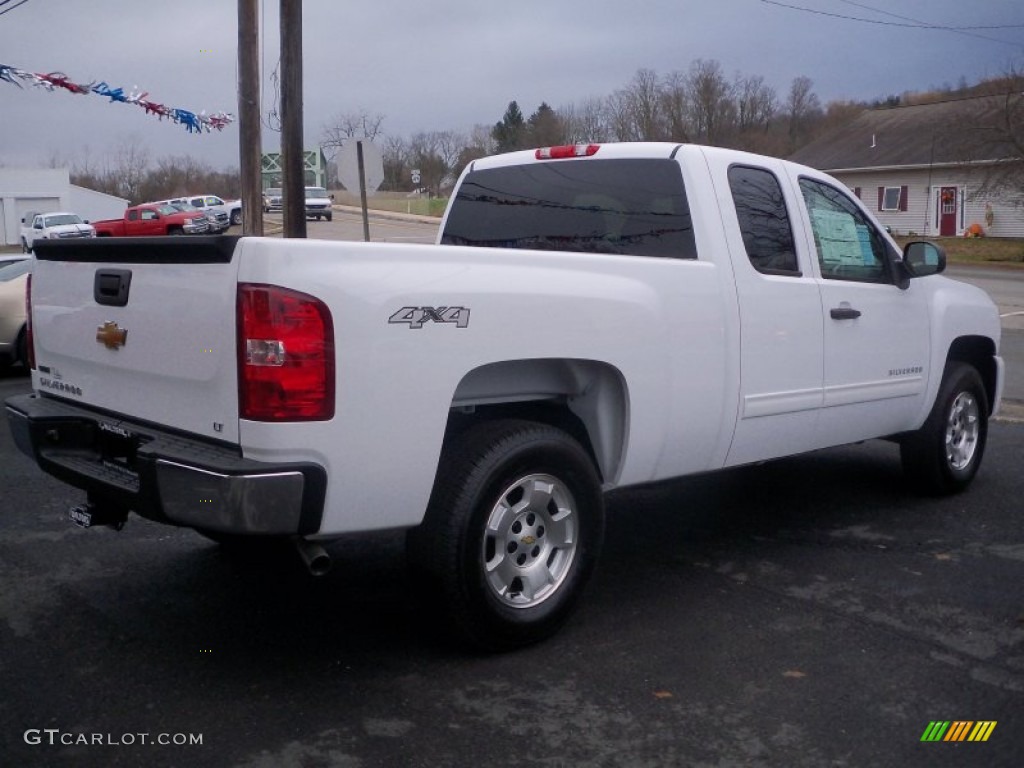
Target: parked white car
x,y
229,211
53,226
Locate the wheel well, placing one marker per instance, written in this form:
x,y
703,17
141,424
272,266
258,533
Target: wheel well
x,y
585,398
979,352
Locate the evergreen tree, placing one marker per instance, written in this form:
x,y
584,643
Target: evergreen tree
x,y
510,133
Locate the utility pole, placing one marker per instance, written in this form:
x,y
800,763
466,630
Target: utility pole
x,y
293,167
250,142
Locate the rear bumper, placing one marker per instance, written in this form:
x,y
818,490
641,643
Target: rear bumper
x,y
165,476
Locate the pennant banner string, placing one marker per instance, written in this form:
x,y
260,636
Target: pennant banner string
x,y
51,81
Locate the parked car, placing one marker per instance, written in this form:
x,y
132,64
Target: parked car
x,y
231,209
13,338
58,225
272,199
150,219
318,203
218,220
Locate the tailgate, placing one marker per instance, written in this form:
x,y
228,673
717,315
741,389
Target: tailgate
x,y
143,327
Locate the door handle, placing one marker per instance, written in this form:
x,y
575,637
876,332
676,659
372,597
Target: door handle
x,y
844,313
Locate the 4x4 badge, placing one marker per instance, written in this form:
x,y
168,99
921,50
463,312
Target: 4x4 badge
x,y
110,336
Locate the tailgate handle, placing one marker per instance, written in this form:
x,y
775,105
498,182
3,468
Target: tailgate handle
x,y
110,287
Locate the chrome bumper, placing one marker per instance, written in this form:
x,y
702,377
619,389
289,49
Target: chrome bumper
x,y
165,476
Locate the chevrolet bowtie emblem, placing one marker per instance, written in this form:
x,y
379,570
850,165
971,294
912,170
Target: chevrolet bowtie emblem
x,y
110,336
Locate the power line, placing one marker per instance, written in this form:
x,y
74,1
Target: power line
x,y
958,30
906,25
12,7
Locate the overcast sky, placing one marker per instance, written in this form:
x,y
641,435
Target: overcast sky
x,y
453,64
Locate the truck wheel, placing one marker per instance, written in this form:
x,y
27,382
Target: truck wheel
x,y
328,216
25,247
944,455
236,217
175,231
513,529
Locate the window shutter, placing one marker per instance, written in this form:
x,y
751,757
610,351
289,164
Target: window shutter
x,y
881,197
904,193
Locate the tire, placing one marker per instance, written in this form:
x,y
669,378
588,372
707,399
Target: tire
x,y
512,532
175,231
236,218
943,456
25,247
328,217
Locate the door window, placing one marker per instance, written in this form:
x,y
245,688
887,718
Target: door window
x,y
764,220
848,245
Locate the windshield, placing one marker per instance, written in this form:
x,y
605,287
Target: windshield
x,y
167,210
316,192
62,218
272,192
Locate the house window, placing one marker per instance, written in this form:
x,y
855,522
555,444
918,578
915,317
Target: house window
x,y
891,199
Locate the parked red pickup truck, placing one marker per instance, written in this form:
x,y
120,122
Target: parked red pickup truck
x,y
153,220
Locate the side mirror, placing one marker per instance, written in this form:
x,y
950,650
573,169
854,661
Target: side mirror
x,y
921,258
86,221
332,197
37,226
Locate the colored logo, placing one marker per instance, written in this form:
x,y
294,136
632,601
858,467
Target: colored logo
x,y
958,730
110,336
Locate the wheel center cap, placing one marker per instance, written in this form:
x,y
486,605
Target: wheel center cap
x,y
529,540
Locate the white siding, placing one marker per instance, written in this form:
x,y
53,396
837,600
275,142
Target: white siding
x,y
39,190
922,201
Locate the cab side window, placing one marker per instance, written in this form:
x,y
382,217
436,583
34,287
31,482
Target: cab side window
x,y
148,215
848,245
764,220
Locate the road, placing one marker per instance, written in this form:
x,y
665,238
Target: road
x,y
807,612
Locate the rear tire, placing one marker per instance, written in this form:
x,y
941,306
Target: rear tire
x,y
25,247
512,532
236,218
944,455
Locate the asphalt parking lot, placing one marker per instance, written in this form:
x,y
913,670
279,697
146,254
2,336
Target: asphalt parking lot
x,y
806,612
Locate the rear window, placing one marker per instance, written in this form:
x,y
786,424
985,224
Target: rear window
x,y
625,206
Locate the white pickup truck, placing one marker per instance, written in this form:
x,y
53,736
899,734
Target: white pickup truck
x,y
52,226
596,316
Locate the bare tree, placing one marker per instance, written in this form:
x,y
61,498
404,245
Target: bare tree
x,y
802,108
345,126
990,130
396,164
712,109
675,106
584,122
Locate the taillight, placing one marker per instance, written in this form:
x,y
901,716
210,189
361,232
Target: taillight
x,y
567,150
30,344
285,355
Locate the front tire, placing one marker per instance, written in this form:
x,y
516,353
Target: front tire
x,y
944,455
25,247
236,218
512,532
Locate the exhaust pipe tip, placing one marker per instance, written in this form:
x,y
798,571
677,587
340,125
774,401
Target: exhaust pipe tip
x,y
315,557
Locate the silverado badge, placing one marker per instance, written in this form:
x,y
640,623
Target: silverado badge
x,y
110,336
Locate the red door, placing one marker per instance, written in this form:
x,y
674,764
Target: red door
x,y
947,211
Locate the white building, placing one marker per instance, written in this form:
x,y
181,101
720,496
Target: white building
x,y
42,190
922,169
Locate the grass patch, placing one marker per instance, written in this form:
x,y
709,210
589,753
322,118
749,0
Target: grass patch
x,y
396,203
978,250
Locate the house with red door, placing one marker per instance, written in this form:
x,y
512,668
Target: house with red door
x,y
935,170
